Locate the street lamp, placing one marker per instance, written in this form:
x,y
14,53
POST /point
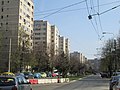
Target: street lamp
x,y
114,47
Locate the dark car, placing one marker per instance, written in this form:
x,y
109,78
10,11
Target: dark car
x,y
14,83
113,81
104,75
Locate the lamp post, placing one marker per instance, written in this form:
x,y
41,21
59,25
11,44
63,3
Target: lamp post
x,y
113,50
9,65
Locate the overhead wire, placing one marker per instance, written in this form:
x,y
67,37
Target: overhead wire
x,y
99,18
91,20
64,8
50,10
97,21
93,10
109,9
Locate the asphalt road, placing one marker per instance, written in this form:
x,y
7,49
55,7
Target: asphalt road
x,y
93,82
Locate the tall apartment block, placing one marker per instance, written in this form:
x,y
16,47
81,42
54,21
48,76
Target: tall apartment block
x,y
63,45
67,46
15,15
42,35
55,39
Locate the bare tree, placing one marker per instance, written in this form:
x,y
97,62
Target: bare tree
x,y
42,57
62,64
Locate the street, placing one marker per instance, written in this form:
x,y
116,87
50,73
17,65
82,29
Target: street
x,y
93,82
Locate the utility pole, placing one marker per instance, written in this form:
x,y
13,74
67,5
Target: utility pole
x,y
9,57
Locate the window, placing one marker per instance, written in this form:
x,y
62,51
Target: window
x,y
52,40
44,33
1,17
1,24
44,28
27,16
20,17
2,10
36,42
28,3
2,2
8,1
44,24
31,19
7,15
32,7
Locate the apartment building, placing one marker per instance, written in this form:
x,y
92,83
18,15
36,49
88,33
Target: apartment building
x,y
67,46
62,44
79,56
54,39
16,21
42,35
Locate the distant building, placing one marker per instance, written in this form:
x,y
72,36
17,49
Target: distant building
x,y
79,56
67,46
63,45
15,16
94,64
48,35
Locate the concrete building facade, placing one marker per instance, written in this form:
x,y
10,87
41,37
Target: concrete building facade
x,y
42,35
15,16
67,46
64,45
55,39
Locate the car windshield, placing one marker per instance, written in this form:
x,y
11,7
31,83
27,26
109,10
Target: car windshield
x,y
5,81
116,78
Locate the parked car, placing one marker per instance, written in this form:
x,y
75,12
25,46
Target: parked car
x,y
28,75
116,73
113,81
8,73
43,74
54,74
14,83
37,75
117,85
104,75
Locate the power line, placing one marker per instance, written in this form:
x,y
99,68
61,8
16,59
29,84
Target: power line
x,y
98,5
105,11
92,9
99,20
91,20
87,7
95,29
64,8
101,28
50,10
109,9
